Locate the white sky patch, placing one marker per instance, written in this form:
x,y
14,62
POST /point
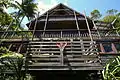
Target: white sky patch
x,y
9,10
43,7
66,2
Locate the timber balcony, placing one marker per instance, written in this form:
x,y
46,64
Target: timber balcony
x,y
64,34
77,55
42,53
47,55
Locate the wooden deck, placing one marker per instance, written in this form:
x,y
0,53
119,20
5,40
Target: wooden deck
x,y
60,34
45,55
42,51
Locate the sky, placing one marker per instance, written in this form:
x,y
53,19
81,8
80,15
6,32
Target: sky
x,y
81,5
78,5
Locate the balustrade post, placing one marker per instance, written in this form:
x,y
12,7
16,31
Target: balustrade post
x,y
61,46
61,33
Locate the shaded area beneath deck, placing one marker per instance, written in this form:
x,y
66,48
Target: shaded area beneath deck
x,y
66,75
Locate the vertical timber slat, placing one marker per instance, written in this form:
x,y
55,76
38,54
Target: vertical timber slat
x,y
45,24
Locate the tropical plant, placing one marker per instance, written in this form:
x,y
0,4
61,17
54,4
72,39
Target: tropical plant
x,y
112,11
25,8
4,4
5,20
115,18
112,69
95,14
12,62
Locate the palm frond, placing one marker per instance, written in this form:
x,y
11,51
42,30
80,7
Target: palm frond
x,y
112,69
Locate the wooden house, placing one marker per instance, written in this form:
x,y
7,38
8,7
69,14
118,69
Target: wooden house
x,y
65,41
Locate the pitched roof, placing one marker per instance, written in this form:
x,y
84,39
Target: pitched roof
x,y
56,10
61,6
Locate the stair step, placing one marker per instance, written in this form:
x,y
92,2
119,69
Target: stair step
x,y
69,56
56,45
65,59
59,41
71,64
67,48
65,52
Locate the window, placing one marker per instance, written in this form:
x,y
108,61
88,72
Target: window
x,y
117,45
107,47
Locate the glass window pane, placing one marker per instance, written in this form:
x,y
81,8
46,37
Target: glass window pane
x,y
117,45
107,47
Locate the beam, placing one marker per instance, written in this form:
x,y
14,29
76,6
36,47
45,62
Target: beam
x,y
88,27
60,19
114,27
66,10
19,49
89,32
30,25
102,48
114,48
81,41
35,26
46,21
77,23
96,29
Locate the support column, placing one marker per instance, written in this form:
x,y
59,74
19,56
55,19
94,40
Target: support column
x,y
102,48
81,41
46,21
96,29
88,27
19,49
35,26
114,27
77,23
114,48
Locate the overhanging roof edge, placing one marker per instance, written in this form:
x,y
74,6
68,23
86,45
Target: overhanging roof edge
x,y
54,8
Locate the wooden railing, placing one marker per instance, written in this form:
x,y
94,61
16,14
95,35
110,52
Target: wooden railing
x,y
77,55
45,55
105,34
106,57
